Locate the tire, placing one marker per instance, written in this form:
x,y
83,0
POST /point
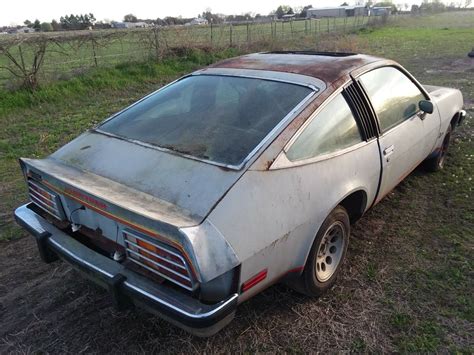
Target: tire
x,y
326,255
437,162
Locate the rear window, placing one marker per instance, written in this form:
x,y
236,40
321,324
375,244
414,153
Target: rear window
x,y
217,118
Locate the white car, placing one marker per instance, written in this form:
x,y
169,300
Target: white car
x,y
235,177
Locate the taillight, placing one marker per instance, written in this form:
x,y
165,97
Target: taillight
x,y
45,199
158,259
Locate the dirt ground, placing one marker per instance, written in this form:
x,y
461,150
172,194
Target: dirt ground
x,y
51,308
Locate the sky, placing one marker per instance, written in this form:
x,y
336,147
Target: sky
x,y
14,12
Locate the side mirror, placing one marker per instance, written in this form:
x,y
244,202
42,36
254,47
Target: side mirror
x,y
426,106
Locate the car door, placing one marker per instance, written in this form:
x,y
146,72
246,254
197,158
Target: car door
x,y
404,131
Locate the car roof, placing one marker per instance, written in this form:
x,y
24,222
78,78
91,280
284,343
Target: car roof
x,y
326,66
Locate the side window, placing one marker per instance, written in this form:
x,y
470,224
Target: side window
x,y
394,96
334,128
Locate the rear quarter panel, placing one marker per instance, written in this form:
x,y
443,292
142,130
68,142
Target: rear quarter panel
x,y
270,218
448,102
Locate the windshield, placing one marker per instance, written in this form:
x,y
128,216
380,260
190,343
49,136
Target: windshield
x,y
217,118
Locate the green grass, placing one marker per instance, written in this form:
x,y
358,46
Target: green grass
x,y
420,274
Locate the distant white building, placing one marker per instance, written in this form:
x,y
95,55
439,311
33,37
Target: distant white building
x,y
129,24
25,30
288,17
197,21
381,10
339,11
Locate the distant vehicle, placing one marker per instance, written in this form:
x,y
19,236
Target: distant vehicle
x,y
235,177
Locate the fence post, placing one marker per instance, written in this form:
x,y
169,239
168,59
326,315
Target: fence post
x,y
334,24
230,35
248,34
93,50
328,24
211,33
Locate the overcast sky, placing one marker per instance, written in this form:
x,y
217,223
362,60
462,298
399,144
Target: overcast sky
x,y
14,12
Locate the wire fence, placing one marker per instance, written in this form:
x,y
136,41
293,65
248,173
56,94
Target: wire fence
x,y
61,55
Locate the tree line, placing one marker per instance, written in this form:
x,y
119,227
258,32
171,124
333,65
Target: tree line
x,y
88,21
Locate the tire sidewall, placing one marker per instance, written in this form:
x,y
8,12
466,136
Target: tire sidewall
x,y
444,149
313,285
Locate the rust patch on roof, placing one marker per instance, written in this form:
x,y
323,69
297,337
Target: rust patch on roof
x,y
328,68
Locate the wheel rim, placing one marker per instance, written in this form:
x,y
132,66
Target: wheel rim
x,y
444,150
330,251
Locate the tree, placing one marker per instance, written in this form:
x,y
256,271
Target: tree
x,y
283,10
56,26
28,23
130,18
37,25
215,18
432,6
46,27
467,3
387,4
304,11
344,4
77,22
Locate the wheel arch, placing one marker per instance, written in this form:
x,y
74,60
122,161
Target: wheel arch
x,y
355,204
455,121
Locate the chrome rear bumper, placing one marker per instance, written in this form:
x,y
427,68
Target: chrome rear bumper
x,y
125,286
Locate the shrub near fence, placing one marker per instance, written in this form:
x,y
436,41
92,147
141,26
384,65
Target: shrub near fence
x,y
28,59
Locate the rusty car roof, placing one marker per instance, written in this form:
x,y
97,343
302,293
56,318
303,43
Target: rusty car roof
x,y
326,66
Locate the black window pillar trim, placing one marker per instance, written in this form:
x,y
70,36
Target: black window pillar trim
x,y
362,110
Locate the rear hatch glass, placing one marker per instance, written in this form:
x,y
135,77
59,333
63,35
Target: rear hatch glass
x,y
215,118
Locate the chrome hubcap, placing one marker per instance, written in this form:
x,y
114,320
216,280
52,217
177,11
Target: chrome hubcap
x,y
330,251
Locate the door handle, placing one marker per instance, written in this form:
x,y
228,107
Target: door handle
x,y
389,150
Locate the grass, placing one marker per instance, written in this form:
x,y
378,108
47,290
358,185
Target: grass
x,y
407,285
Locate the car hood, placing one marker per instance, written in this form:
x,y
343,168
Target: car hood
x,y
193,187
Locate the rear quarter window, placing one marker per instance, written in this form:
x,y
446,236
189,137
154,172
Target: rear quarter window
x,y
333,128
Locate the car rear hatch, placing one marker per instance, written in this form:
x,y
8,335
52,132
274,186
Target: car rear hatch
x,y
191,188
136,197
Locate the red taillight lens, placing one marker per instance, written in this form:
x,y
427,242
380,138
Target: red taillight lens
x,y
44,199
158,258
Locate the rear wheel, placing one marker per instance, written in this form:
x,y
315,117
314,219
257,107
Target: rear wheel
x,y
326,255
437,162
